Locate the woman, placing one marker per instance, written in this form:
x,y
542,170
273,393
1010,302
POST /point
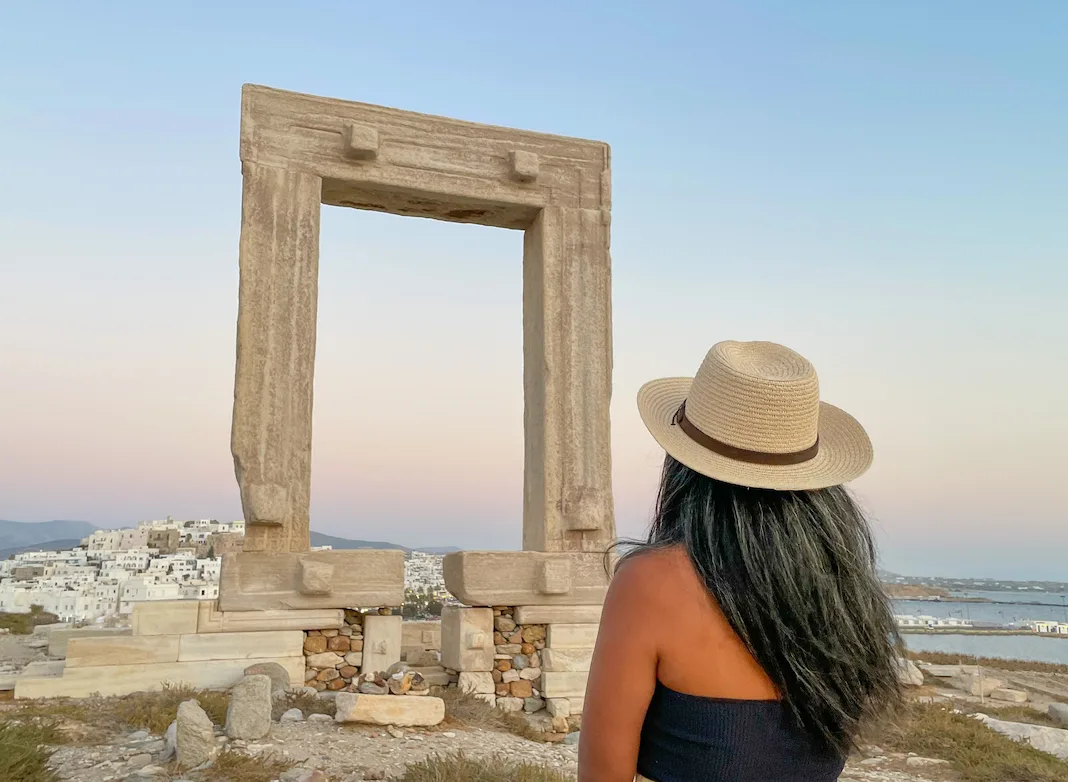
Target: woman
x,y
748,639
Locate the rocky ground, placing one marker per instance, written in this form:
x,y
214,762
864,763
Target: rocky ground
x,y
322,750
353,754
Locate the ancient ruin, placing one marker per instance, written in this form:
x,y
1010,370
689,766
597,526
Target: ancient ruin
x,y
280,602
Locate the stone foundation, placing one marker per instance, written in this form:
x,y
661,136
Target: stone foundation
x,y
333,657
522,666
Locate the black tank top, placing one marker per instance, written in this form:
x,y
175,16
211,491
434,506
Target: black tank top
x,y
687,738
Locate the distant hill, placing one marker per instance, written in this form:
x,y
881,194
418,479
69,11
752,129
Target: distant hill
x,y
14,534
319,539
50,545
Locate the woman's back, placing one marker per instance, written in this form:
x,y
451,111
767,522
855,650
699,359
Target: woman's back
x,y
748,639
714,713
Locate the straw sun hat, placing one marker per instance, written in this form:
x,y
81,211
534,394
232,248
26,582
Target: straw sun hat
x,y
752,416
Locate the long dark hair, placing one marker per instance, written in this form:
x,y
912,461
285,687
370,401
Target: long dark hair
x,y
794,574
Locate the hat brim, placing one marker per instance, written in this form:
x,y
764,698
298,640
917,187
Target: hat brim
x,y
845,450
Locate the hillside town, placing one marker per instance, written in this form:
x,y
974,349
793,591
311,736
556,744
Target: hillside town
x,y
111,570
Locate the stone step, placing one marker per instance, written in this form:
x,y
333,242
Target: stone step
x,y
399,710
110,680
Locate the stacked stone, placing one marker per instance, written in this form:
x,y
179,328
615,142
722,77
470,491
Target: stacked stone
x,y
517,662
333,657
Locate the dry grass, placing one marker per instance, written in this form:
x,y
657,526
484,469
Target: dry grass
x,y
1030,666
458,768
234,767
151,711
308,704
1011,713
975,752
25,750
23,624
466,710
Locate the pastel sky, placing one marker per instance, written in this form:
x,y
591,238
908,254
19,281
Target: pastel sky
x,y
881,186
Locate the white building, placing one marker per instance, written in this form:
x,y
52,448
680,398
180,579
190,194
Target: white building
x,y
1049,626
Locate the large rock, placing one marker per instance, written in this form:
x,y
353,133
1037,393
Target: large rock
x,y
249,714
194,735
1011,696
278,675
975,684
907,672
1053,741
389,709
1058,712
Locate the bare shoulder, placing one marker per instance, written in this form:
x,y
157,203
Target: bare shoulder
x,y
654,579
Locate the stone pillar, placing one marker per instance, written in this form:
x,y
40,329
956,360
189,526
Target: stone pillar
x,y
467,638
381,642
272,424
567,378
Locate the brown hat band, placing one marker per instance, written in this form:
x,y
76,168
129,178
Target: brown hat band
x,y
741,454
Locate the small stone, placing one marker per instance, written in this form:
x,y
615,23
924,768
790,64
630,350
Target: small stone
x,y
320,718
533,633
398,667
504,624
249,714
521,689
558,707
497,676
372,688
292,715
310,674
139,761
315,644
319,686
533,704
385,611
498,639
535,660
345,630
918,762
151,771
394,732
527,649
338,643
332,633
194,735
503,690
504,665
509,649
354,659
560,725
348,671
337,684
510,676
419,683
510,704
521,661
324,660
449,734
530,674
400,683
278,675
328,675
516,637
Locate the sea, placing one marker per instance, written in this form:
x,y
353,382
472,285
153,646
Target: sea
x,y
1009,608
